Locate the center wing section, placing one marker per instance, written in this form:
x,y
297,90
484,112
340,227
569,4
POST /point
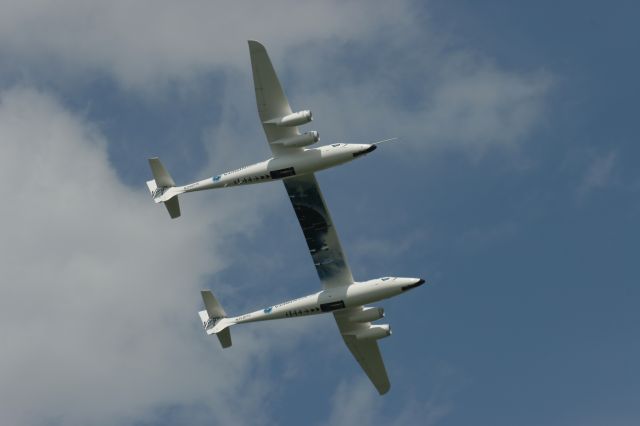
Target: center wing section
x,y
271,100
319,232
365,351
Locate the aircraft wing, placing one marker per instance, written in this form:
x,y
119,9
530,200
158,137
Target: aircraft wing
x,y
319,232
271,100
365,351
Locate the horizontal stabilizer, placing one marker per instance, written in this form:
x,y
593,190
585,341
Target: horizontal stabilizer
x,y
160,174
173,207
211,304
225,337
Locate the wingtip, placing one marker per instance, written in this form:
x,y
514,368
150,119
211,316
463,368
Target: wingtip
x,y
384,389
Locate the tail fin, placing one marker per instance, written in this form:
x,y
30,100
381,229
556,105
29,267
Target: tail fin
x,y
162,188
214,319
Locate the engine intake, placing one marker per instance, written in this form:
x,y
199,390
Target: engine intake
x,y
308,138
294,119
374,332
367,314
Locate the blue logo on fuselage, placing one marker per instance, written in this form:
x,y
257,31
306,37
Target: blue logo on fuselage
x,y
268,310
216,178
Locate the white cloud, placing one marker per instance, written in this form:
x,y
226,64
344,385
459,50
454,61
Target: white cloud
x,y
151,41
433,98
354,404
100,288
481,237
369,70
599,173
358,403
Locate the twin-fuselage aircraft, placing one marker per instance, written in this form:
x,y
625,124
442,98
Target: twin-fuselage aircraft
x,y
295,163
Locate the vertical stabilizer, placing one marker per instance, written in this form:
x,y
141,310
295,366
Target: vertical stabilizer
x,y
160,174
162,188
214,319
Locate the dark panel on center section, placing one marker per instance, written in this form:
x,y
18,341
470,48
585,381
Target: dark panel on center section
x,y
283,173
318,231
332,306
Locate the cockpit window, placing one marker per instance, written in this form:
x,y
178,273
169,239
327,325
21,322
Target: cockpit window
x,y
385,278
335,145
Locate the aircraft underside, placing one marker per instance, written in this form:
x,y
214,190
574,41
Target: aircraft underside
x,y
295,163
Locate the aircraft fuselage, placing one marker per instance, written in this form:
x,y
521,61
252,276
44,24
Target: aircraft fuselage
x,y
297,163
329,300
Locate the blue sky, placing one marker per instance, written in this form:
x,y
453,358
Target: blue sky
x,y
513,191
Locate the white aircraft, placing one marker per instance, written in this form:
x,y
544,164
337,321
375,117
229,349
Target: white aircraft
x,y
294,165
280,124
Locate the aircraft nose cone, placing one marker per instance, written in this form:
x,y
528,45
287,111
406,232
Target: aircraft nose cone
x,y
418,283
366,151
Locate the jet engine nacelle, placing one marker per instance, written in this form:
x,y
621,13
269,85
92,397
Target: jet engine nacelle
x,y
308,138
367,314
294,119
374,332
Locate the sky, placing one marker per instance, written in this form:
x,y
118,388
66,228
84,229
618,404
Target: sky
x,y
513,190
